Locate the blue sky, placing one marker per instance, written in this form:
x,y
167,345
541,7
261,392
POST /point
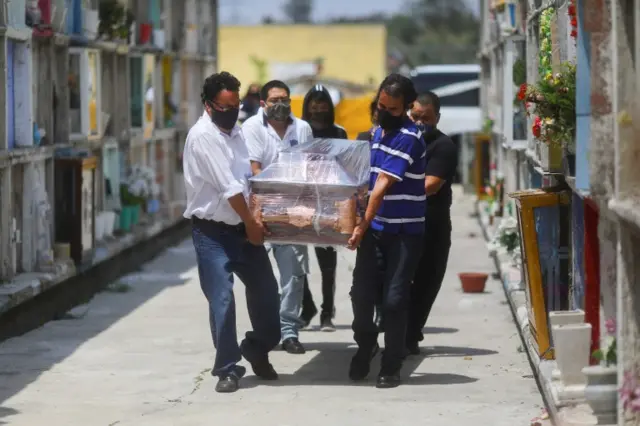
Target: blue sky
x,y
249,12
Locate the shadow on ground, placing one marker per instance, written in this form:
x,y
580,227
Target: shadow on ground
x,y
23,359
331,364
6,412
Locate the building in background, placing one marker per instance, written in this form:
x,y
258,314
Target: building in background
x,y
354,53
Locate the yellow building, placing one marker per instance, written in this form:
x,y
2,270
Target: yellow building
x,y
349,52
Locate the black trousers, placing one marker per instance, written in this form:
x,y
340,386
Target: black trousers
x,y
389,260
430,272
328,261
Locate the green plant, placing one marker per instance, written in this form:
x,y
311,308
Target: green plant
x,y
127,198
115,20
487,127
609,355
510,240
519,72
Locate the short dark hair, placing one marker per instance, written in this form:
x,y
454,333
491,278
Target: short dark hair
x,y
397,85
273,84
374,106
430,98
216,83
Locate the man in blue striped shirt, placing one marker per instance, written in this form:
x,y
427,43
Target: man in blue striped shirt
x,y
389,239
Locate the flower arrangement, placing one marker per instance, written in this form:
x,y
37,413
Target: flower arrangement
x,y
552,100
574,18
139,186
608,356
507,235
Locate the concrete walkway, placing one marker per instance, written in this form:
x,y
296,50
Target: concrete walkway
x,y
140,354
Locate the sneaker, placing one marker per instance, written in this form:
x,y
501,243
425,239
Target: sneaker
x,y
327,325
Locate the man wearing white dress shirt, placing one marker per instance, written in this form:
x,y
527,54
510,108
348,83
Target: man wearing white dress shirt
x,y
227,238
267,133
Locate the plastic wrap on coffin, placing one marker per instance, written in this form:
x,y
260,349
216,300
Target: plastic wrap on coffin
x,y
314,193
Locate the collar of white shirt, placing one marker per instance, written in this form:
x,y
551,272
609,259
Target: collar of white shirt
x,y
234,132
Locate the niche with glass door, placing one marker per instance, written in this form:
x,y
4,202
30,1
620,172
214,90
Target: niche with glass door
x,y
85,111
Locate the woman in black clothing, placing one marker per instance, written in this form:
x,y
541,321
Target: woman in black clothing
x,y
319,112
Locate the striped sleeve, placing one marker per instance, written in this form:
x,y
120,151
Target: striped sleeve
x,y
399,155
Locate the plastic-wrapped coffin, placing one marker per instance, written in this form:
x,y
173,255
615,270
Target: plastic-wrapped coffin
x,y
314,193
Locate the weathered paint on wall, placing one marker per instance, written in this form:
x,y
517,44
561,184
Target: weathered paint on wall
x,y
355,53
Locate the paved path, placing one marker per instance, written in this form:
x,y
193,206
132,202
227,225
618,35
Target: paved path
x,y
140,355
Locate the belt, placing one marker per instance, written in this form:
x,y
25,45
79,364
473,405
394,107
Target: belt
x,y
238,228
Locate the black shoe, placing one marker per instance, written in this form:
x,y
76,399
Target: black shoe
x,y
361,363
388,381
263,369
413,348
259,364
326,324
293,346
227,383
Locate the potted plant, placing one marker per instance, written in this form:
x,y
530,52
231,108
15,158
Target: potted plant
x,y
506,237
115,20
601,392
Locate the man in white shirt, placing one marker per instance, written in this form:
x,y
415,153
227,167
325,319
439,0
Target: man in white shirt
x,y
227,237
267,133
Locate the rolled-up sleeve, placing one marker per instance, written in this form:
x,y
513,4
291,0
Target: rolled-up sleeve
x,y
255,145
212,163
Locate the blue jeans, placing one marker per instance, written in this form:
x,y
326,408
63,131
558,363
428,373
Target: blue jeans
x,y
221,251
293,263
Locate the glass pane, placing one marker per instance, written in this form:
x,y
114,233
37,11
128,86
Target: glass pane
x,y
11,136
94,108
75,98
149,95
135,67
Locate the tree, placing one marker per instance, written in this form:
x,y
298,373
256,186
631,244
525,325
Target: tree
x,y
298,11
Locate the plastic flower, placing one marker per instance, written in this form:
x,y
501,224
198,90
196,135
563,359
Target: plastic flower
x,y
610,325
522,93
537,127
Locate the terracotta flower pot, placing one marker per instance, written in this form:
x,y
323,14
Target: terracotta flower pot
x,y
473,282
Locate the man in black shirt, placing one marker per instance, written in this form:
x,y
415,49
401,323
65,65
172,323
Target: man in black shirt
x,y
442,161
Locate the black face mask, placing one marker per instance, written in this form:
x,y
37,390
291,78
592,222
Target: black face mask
x,y
225,120
388,121
322,118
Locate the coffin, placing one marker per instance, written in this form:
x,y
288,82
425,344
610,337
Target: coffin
x,y
314,193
